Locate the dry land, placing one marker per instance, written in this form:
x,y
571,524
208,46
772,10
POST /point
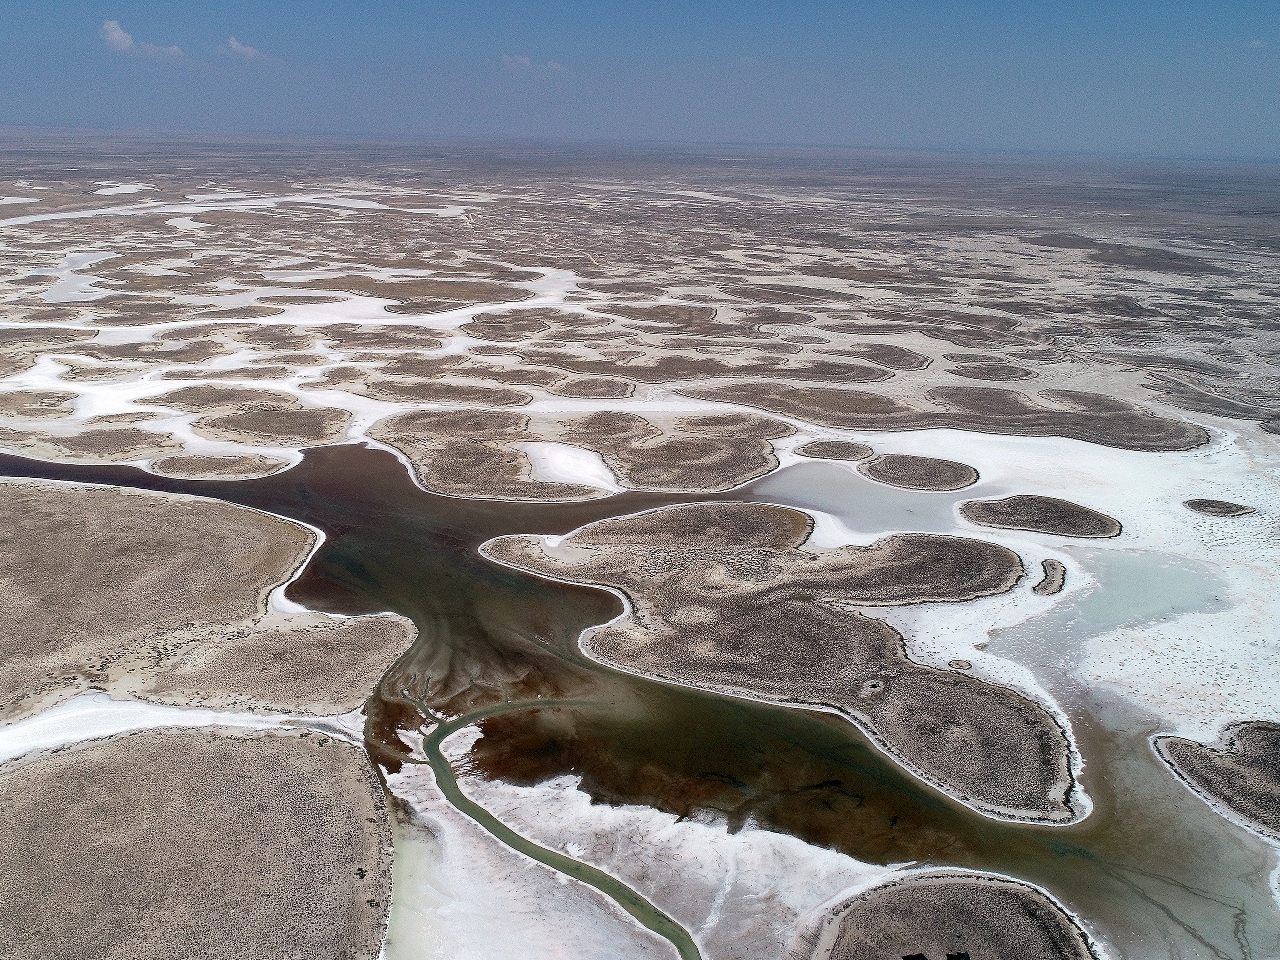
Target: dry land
x,y
945,914
1042,515
1241,773
919,473
160,595
194,843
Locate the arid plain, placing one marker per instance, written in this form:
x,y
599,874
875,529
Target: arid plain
x,y
455,554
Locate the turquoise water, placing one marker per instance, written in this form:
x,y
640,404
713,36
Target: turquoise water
x,y
864,505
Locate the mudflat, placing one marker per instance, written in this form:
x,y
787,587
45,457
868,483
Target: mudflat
x,y
945,914
194,843
1041,515
1241,773
126,591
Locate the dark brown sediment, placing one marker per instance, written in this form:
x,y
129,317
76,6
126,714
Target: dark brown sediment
x,y
1053,579
919,473
945,914
1240,773
1041,515
194,843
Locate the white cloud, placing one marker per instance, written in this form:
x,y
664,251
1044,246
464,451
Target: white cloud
x,y
516,64
243,49
115,37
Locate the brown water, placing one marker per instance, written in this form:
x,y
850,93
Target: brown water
x,y
1153,871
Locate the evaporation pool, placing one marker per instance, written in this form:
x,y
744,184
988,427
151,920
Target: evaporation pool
x,y
1153,870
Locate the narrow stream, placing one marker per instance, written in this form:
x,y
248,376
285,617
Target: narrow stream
x,y
645,912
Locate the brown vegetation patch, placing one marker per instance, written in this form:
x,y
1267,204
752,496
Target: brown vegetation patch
x,y
505,327
1242,773
1081,416
142,593
471,453
944,914
372,337
276,426
194,843
216,398
992,371
887,355
835,450
42,337
700,453
253,416
1218,508
275,337
219,468
36,404
264,372
673,367
1042,515
442,391
919,473
163,351
98,446
595,388
1053,578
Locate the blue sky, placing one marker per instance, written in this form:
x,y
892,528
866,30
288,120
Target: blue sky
x,y
1167,79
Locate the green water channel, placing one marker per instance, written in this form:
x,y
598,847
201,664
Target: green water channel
x,y
645,912
1153,871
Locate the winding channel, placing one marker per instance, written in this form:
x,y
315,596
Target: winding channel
x,y
644,912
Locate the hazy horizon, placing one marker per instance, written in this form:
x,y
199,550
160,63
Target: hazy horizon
x,y
1201,82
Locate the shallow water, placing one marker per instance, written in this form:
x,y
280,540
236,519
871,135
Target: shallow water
x,y
1130,587
1153,870
864,505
